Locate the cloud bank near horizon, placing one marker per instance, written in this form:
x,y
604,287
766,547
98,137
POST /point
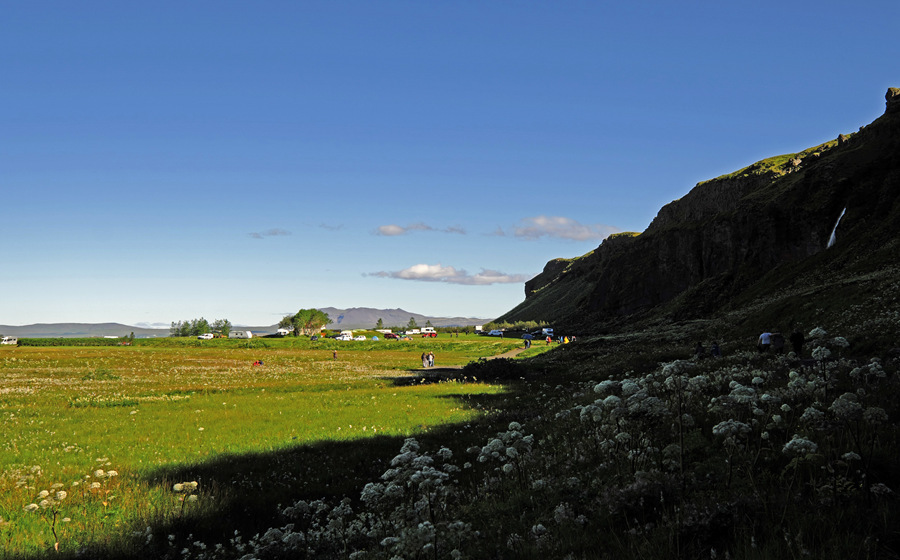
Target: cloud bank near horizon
x,y
274,232
392,230
451,275
558,227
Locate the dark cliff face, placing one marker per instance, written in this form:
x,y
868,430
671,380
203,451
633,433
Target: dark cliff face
x,y
728,233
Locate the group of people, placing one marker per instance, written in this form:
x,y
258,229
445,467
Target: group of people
x,y
775,341
427,359
767,342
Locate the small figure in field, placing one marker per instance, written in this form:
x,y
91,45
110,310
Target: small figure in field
x,y
715,351
765,340
778,343
548,340
700,351
258,363
334,355
431,359
797,341
424,359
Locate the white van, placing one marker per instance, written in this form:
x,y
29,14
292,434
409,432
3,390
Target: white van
x,y
240,334
9,340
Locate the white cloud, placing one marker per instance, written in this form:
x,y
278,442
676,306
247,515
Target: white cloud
x,y
274,232
390,230
451,275
394,229
562,228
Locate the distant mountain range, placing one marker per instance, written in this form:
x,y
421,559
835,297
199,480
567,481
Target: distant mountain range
x,y
366,318
354,318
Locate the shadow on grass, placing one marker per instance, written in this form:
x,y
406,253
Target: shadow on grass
x,y
251,489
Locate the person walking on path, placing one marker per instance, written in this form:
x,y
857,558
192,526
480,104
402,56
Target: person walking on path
x,y
765,340
424,359
797,342
431,359
778,343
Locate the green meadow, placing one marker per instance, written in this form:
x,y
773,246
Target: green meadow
x,y
101,442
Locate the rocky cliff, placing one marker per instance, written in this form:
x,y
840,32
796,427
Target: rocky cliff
x,y
729,233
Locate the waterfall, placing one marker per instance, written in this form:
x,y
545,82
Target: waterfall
x,y
832,238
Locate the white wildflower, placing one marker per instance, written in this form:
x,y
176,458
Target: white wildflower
x,y
817,332
875,415
730,428
800,446
840,342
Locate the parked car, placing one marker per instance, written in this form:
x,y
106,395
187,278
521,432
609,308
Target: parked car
x,y
206,336
344,337
359,338
495,333
394,336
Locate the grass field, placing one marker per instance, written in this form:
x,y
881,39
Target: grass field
x,y
97,438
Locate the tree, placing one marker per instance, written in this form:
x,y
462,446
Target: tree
x,y
428,323
305,321
379,325
199,326
221,326
191,327
412,324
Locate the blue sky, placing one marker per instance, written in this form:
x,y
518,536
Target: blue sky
x,y
162,161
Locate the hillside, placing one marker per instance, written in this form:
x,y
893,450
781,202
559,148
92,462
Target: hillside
x,y
760,232
79,330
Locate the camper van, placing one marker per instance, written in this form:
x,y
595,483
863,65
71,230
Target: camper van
x,y
345,335
240,334
9,340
